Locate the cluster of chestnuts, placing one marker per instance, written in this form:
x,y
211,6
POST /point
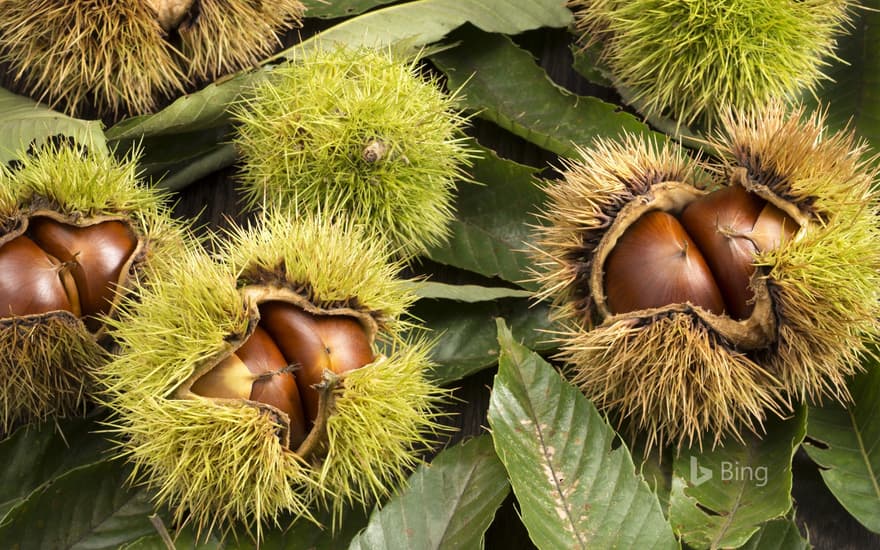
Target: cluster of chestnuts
x,y
272,376
76,231
279,372
701,296
275,374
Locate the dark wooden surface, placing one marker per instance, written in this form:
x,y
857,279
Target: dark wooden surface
x,y
214,202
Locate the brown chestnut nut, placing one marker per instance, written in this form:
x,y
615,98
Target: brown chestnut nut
x,y
656,263
95,254
32,281
315,343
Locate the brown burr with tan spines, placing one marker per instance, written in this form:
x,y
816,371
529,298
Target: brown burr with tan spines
x,y
784,218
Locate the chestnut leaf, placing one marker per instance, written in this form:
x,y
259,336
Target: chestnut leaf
x,y
466,335
87,507
845,443
490,229
493,72
721,496
851,94
25,123
34,456
447,504
777,534
339,8
575,489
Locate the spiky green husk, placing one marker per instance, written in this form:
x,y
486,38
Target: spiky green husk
x,y
79,184
48,360
305,132
391,409
220,463
82,54
329,260
689,59
670,374
213,464
584,205
230,34
826,286
184,316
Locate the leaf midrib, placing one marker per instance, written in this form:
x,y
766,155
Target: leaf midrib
x,y
454,508
533,415
734,508
864,452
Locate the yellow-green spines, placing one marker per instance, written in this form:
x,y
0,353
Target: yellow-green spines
x,y
47,360
358,129
221,463
827,284
690,59
330,261
397,402
108,59
78,183
674,373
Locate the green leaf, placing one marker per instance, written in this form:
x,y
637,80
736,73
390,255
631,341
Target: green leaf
x,y
778,534
36,454
466,333
89,507
586,63
23,121
466,293
720,497
447,504
845,442
490,229
293,533
574,489
415,24
175,161
185,538
329,9
853,92
493,74
202,110
424,22
305,534
655,465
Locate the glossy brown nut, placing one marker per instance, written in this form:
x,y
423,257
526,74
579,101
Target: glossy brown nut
x,y
296,334
721,224
30,280
333,342
97,254
654,264
273,387
345,341
773,226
